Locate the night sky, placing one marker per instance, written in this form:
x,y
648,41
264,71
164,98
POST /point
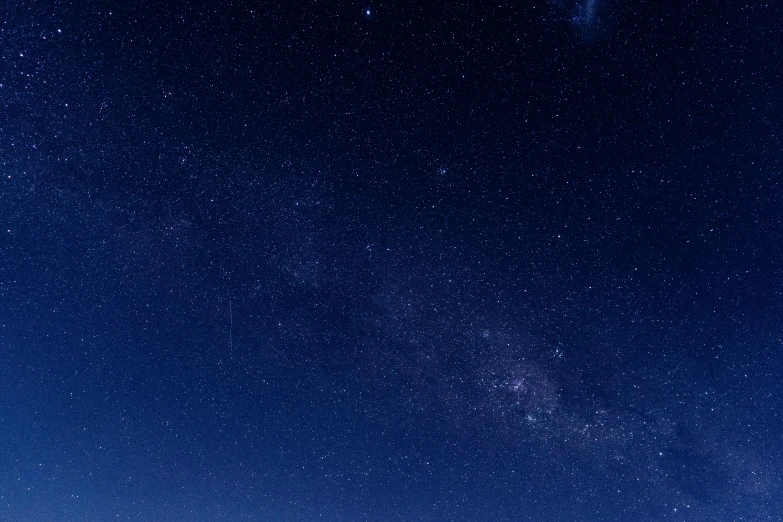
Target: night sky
x,y
410,261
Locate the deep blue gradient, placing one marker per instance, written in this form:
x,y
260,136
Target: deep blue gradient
x,y
442,262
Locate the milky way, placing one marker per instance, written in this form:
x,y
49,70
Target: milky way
x,y
464,261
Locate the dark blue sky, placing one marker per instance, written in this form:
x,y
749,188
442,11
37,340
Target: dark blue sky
x,y
391,261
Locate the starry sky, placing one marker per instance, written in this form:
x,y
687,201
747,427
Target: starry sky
x,y
391,261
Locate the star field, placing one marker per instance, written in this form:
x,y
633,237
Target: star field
x,y
401,261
